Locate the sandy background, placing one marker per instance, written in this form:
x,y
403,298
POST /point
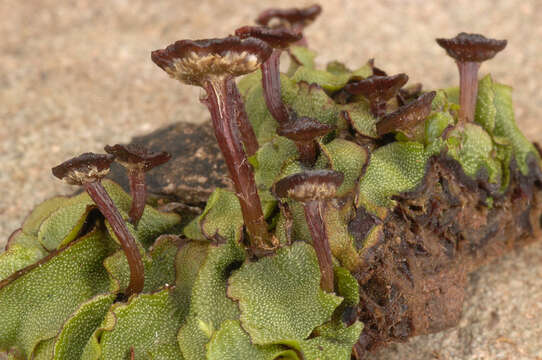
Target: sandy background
x,y
75,75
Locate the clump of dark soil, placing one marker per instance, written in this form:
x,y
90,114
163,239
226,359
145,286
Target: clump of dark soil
x,y
413,280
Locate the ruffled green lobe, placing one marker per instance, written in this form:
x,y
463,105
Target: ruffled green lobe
x,y
231,342
148,323
37,303
209,305
71,341
280,297
393,168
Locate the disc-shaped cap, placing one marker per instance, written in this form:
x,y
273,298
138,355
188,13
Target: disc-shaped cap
x,y
195,61
135,156
85,168
376,88
471,47
304,129
279,38
290,16
407,116
309,185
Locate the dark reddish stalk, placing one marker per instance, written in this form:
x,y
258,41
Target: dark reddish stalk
x,y
469,51
248,137
468,90
278,39
222,107
138,189
137,161
104,202
314,189
314,214
271,87
307,152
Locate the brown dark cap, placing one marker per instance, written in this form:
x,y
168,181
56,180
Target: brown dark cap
x,y
407,116
304,129
85,168
471,47
309,185
279,38
136,156
194,61
377,88
291,16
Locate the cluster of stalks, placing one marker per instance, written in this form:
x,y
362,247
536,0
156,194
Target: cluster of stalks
x,y
213,64
88,169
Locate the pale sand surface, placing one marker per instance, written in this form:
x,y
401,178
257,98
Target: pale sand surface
x,y
75,75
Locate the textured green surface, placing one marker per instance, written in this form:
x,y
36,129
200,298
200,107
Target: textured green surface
x,y
495,112
280,296
18,257
63,225
334,343
19,237
340,240
393,168
222,216
309,100
270,159
158,264
32,223
346,157
347,286
148,323
209,305
263,123
44,350
330,81
154,223
36,304
71,341
187,264
360,118
435,125
231,342
473,148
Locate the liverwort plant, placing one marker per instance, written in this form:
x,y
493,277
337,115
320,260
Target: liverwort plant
x,y
364,213
137,160
213,64
87,170
314,188
469,51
